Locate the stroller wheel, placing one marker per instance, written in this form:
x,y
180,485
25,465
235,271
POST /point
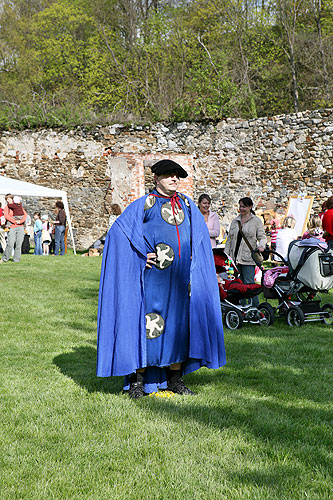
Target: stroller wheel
x,y
268,314
233,319
327,317
295,316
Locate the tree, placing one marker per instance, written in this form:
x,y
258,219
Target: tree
x,y
287,13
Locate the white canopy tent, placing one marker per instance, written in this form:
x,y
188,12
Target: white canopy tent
x,y
20,188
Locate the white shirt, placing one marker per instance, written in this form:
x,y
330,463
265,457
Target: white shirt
x,y
284,238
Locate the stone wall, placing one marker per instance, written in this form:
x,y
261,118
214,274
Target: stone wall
x,y
269,159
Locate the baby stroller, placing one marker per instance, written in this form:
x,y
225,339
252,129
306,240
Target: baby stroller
x,y
233,290
309,270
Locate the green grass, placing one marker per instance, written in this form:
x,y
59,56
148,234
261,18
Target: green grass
x,y
259,428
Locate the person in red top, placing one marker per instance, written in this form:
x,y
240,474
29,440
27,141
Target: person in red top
x,y
16,231
327,222
16,208
275,227
2,229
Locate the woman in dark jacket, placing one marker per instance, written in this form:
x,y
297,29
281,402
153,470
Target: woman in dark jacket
x,y
60,228
236,246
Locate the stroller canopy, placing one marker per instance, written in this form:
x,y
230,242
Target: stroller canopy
x,y
312,266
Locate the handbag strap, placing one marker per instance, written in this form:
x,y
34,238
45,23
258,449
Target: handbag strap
x,y
243,236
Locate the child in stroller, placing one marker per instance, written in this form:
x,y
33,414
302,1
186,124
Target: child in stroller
x,y
233,292
308,270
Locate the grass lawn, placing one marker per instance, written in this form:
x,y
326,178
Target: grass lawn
x,y
259,428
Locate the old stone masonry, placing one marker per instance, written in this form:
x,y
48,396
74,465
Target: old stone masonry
x,y
269,159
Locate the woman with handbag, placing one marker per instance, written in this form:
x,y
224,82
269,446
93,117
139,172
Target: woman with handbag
x,y
246,240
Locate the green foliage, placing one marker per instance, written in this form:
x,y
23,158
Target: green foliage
x,y
161,60
39,115
59,39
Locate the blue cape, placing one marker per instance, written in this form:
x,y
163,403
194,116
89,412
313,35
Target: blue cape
x,y
121,335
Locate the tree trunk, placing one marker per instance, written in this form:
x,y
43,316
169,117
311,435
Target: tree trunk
x,y
317,9
294,78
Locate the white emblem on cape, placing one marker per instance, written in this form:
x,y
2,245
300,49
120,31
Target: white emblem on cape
x,y
167,214
154,325
185,200
165,255
150,202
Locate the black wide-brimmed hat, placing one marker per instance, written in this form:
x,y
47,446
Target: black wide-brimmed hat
x,y
168,167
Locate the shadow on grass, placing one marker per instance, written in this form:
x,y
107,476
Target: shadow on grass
x,y
80,366
75,325
288,363
283,431
276,478
92,342
281,382
86,293
253,406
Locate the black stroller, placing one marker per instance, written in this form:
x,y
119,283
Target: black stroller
x,y
233,290
296,284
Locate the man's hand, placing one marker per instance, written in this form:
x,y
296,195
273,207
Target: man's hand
x,y
151,260
261,249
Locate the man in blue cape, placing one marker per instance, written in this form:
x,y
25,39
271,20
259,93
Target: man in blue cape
x,y
159,314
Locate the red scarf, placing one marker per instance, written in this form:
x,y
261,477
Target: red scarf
x,y
175,202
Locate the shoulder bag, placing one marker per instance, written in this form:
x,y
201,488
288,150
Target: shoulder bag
x,y
255,254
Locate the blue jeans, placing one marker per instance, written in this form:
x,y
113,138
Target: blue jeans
x,y
247,276
59,236
38,243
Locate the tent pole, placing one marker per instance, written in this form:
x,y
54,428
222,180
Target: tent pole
x,y
65,202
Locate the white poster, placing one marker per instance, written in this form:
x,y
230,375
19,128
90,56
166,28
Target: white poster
x,y
300,207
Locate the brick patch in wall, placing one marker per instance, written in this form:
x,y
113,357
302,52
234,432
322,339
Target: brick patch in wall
x,y
142,180
269,159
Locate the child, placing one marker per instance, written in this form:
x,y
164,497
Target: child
x,y
38,227
46,234
16,207
315,229
275,226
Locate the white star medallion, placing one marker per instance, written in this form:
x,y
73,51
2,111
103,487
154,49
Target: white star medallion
x,y
154,325
169,217
165,255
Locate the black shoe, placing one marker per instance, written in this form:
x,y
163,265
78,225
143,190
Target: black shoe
x,y
179,387
136,390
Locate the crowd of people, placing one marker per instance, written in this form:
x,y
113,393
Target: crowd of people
x,y
164,320
16,228
249,240
276,235
319,229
